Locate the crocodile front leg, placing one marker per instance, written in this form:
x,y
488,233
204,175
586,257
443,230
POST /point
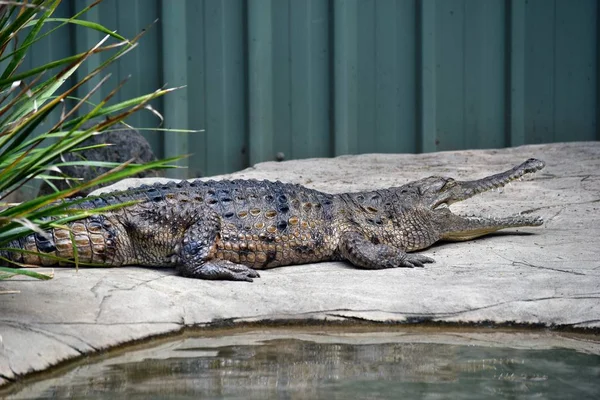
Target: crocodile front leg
x,y
361,252
196,254
218,270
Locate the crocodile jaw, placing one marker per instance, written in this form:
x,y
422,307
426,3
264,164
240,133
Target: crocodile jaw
x,y
459,228
455,191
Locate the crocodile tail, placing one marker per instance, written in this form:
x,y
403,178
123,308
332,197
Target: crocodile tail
x,y
7,256
90,240
4,257
33,248
43,248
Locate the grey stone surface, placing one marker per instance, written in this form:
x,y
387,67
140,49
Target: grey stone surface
x,y
548,275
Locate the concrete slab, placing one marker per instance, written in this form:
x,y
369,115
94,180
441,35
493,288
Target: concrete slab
x,y
548,276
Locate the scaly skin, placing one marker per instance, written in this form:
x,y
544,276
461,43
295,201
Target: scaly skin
x,y
229,229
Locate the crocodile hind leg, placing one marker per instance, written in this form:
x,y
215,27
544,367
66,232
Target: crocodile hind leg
x,y
363,253
196,258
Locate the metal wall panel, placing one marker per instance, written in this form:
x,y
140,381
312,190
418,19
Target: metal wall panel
x,y
375,76
288,79
470,74
269,79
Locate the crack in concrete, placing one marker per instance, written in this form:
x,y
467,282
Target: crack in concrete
x,y
15,374
547,268
588,321
143,282
503,303
9,352
96,286
547,176
431,315
547,220
349,317
528,264
48,334
111,290
108,324
564,205
101,305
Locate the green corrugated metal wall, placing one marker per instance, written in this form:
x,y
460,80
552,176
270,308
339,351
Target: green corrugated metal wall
x,y
314,78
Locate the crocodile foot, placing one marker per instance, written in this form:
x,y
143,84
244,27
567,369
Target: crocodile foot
x,y
220,270
415,260
363,253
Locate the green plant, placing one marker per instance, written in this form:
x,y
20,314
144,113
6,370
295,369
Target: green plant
x,y
27,100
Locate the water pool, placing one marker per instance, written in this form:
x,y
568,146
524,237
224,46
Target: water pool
x,y
337,364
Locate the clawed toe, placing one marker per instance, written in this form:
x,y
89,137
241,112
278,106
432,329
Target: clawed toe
x,y
238,272
221,270
415,261
246,275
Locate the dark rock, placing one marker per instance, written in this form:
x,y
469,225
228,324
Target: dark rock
x,y
126,143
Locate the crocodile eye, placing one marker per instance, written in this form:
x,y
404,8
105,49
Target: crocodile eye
x,y
450,183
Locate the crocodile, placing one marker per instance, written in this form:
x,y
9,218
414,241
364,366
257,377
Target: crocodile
x,y
229,229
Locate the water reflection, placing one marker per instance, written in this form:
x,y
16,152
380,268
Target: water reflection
x,y
298,369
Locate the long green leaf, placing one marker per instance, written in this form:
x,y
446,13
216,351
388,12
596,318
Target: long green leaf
x,y
6,273
65,21
88,24
32,207
20,53
6,182
26,14
14,230
122,105
48,91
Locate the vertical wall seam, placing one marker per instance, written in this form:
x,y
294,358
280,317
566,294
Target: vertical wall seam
x,y
206,129
464,74
175,73
508,57
331,75
374,74
346,77
246,84
597,70
518,42
261,86
290,87
418,83
308,65
73,45
428,76
160,153
138,57
223,87
554,78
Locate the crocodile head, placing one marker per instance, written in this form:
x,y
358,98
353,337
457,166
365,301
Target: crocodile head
x,y
439,192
